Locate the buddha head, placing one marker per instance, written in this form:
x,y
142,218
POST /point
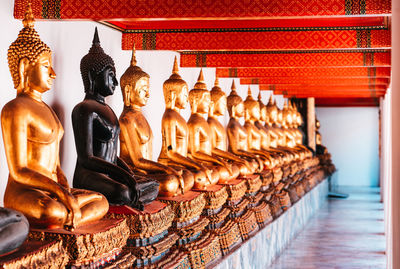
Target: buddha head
x,y
29,59
218,99
135,84
286,115
251,107
199,96
235,103
175,90
272,111
263,108
98,70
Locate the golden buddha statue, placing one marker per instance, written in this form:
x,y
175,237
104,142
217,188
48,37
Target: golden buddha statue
x,y
218,133
136,136
254,135
237,134
200,135
37,186
175,134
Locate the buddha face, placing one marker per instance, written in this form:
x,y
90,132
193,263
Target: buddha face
x,y
263,114
254,112
220,106
140,94
105,82
40,75
239,109
280,117
182,97
274,115
204,104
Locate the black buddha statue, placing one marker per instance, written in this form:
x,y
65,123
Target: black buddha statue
x,y
96,131
14,228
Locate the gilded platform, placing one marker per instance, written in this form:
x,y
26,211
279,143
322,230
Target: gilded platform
x,y
88,244
36,254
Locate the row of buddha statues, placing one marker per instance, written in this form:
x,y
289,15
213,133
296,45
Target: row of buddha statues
x,y
199,158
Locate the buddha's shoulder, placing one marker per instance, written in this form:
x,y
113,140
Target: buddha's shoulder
x,y
86,106
20,103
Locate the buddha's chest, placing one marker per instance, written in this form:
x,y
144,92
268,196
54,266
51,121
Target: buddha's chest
x,y
44,126
105,126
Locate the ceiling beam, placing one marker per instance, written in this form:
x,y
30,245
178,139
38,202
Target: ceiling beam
x,y
317,80
339,58
190,9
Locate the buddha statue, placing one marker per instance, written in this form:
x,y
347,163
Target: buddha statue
x,y
37,186
136,135
254,135
200,148
175,133
237,134
265,136
96,131
218,133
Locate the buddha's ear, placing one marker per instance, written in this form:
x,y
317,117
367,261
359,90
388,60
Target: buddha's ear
x,y
127,90
22,69
92,77
173,98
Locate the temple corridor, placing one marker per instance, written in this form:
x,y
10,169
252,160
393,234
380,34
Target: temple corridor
x,y
345,233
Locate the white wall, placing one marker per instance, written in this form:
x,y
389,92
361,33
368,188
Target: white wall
x,y
352,137
69,42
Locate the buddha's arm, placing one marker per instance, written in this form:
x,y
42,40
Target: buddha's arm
x,y
131,142
83,130
194,146
15,128
169,133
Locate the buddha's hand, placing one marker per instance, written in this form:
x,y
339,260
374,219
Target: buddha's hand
x,y
228,167
248,165
74,212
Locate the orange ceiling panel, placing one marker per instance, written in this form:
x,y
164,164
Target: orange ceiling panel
x,y
257,40
342,58
340,102
193,9
317,80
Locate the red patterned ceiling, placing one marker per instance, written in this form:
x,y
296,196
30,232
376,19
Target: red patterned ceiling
x,y
335,50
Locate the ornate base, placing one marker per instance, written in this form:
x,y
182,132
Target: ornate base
x,y
149,240
36,254
236,189
284,199
124,261
263,214
267,176
204,251
187,206
88,244
247,224
229,236
275,206
215,196
253,183
278,174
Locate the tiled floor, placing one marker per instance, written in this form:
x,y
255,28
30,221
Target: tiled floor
x,y
345,234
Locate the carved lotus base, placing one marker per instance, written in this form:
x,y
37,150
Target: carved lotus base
x,y
262,213
275,206
203,251
247,224
267,176
215,196
187,206
217,217
89,244
284,199
236,189
253,183
229,236
36,254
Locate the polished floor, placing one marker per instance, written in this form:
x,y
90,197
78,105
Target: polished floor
x,y
345,234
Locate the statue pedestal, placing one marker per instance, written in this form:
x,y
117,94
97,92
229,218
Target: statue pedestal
x,y
89,245
149,240
237,204
188,224
36,254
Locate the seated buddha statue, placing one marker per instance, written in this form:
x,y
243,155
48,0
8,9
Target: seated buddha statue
x,y
37,186
254,135
237,134
200,148
136,135
175,133
265,135
298,134
96,131
218,133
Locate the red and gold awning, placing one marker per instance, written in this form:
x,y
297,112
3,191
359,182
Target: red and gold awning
x,y
337,51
